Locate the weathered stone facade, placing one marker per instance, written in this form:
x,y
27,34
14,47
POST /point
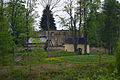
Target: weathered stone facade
x,y
57,38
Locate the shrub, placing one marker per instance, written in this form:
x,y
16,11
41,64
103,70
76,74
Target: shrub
x,y
117,52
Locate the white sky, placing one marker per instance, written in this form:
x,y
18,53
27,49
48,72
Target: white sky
x,y
56,11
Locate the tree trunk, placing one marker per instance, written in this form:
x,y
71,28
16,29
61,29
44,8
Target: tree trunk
x,y
27,31
75,36
48,32
110,50
85,44
85,31
13,26
75,47
13,51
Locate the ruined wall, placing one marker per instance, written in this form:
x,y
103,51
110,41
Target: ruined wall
x,y
57,37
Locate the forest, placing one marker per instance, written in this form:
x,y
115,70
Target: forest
x,y
97,21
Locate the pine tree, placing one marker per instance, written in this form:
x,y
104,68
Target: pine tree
x,y
43,22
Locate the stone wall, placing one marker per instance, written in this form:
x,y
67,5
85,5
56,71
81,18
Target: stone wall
x,y
57,37
57,48
98,49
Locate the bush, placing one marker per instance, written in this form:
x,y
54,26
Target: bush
x,y
106,71
117,52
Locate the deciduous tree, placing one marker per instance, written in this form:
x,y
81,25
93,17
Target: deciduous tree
x,y
110,9
5,37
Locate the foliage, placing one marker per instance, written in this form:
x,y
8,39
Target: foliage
x,y
5,37
45,16
95,29
64,22
84,72
117,52
16,14
111,30
61,65
19,74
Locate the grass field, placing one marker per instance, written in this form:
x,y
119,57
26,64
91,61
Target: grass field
x,y
60,66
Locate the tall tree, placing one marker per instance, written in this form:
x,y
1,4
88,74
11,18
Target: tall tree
x,y
15,14
73,16
29,9
50,4
85,26
16,11
111,24
95,23
95,29
43,22
87,10
5,38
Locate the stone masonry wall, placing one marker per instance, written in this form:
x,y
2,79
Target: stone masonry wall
x,y
57,37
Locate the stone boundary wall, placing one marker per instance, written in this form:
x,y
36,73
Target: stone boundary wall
x,y
57,48
98,49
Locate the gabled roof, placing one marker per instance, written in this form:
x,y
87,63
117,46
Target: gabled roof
x,y
70,41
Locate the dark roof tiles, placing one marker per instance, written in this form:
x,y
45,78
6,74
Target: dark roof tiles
x,y
70,41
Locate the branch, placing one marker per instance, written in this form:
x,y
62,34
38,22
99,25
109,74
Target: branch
x,y
51,3
55,4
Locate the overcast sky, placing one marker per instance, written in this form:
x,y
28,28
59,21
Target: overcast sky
x,y
56,11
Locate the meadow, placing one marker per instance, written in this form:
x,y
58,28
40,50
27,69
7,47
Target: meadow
x,y
60,65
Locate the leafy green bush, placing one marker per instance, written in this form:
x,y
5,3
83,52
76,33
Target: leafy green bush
x,y
117,52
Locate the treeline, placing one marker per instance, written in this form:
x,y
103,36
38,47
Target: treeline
x,y
97,21
16,23
104,27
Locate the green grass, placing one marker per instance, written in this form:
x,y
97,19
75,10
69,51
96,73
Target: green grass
x,y
69,57
38,57
69,66
83,72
